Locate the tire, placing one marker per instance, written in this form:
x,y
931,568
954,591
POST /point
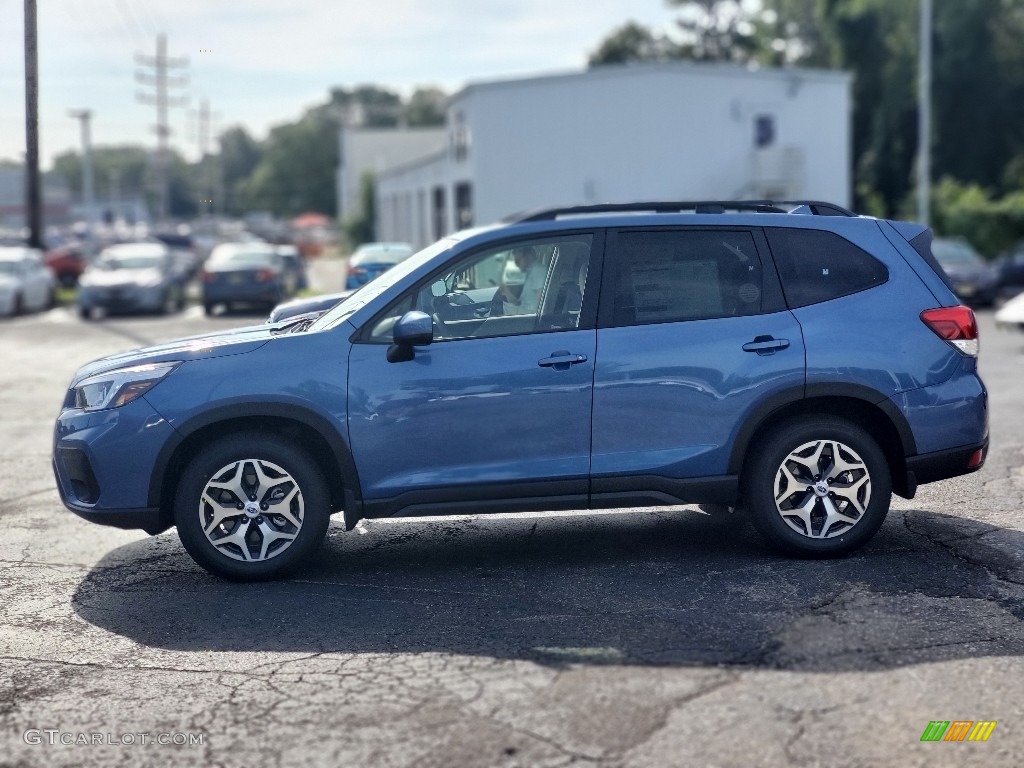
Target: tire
x,y
171,302
249,556
860,493
85,313
208,309
19,306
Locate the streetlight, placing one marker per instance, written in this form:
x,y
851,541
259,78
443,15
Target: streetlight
x,y
88,184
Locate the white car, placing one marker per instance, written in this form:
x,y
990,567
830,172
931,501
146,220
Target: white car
x,y
1011,315
26,284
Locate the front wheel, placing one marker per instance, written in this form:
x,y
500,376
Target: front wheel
x,y
251,507
818,487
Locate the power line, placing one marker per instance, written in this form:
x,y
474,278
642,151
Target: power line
x,y
161,83
135,29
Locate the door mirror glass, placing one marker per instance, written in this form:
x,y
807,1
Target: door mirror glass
x,y
438,288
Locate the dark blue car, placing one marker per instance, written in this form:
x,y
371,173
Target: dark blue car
x,y
761,359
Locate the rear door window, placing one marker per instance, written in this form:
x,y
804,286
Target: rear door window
x,y
666,276
817,266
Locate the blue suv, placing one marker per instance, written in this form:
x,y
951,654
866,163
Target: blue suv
x,y
790,362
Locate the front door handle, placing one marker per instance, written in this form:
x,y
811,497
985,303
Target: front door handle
x,y
765,345
561,360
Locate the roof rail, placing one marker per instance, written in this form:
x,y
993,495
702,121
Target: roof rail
x,y
813,207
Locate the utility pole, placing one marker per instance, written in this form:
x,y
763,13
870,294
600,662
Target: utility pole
x,y
924,114
88,181
161,82
33,186
204,126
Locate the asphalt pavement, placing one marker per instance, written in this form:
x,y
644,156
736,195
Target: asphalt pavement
x,y
623,638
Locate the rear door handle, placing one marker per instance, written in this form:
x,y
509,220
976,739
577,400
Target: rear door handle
x,y
765,345
561,360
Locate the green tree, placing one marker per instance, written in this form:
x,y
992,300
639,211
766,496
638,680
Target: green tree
x,y
425,108
296,171
631,42
240,154
363,228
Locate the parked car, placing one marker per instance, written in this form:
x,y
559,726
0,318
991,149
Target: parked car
x,y
294,267
307,305
1011,272
973,279
373,259
1011,314
26,284
791,366
131,277
249,273
67,262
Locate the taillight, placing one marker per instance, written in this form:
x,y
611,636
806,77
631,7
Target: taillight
x,y
265,274
356,271
955,325
209,277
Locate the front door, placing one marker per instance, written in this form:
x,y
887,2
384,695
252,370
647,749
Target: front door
x,y
495,412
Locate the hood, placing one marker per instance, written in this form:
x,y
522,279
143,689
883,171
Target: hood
x,y
107,277
238,341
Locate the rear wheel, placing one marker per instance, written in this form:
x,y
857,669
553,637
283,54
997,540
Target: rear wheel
x,y
208,309
818,487
251,507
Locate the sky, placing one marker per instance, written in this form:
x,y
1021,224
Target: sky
x,y
269,60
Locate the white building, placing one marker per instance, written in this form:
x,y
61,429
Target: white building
x,y
673,131
371,150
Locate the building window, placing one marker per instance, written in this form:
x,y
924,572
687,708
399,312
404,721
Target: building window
x,y
764,131
460,138
440,216
464,205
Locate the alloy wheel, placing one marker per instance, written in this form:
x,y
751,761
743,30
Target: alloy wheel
x,y
251,510
822,489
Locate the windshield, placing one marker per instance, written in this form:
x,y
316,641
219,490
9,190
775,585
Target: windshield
x,y
375,288
129,262
954,252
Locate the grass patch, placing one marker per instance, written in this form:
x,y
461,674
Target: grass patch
x,y
66,296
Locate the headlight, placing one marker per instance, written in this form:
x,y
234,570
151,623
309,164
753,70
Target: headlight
x,y
119,387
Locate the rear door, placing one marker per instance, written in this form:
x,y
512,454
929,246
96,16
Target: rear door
x,y
693,337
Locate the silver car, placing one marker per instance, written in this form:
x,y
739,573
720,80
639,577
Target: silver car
x,y
132,277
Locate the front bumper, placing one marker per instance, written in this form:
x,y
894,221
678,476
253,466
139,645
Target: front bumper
x,y
147,519
103,463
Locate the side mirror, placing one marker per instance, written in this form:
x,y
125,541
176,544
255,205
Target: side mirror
x,y
438,288
414,328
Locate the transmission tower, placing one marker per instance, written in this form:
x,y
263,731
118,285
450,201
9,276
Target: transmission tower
x,y
161,82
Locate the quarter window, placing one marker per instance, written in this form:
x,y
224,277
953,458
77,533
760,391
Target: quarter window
x,y
669,276
816,266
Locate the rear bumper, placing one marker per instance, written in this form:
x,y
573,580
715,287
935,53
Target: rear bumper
x,y
942,465
259,292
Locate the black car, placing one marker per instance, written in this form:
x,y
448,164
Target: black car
x,y
309,305
974,280
1011,272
